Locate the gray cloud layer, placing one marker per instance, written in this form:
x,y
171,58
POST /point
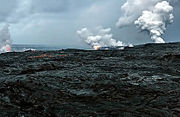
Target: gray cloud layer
x,y
54,22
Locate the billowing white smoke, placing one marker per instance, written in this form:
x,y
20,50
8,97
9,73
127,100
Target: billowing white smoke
x,y
132,9
148,15
103,38
5,40
155,21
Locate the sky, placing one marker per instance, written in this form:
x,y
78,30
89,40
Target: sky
x,y
55,22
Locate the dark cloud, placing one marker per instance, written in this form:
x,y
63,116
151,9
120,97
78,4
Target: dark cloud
x,y
172,33
6,8
49,6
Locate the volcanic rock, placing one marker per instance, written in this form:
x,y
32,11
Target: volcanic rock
x,y
143,81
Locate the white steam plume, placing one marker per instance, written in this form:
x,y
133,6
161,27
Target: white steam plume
x,y
103,38
5,40
148,15
155,21
132,9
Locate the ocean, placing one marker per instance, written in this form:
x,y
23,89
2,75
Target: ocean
x,y
23,47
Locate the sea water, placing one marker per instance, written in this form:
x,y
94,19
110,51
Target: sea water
x,y
23,47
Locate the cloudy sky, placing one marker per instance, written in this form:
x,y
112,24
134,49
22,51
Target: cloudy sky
x,y
55,22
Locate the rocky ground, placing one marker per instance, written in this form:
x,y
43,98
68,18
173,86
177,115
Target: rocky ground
x,y
143,81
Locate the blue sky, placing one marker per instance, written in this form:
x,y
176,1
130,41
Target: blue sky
x,y
55,22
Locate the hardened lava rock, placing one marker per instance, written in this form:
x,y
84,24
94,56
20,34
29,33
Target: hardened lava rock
x,y
143,81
